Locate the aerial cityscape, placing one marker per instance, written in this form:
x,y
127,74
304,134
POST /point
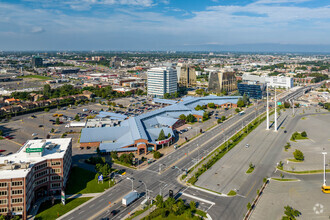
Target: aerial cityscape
x,y
163,109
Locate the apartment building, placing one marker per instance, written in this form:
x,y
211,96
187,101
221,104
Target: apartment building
x,y
40,168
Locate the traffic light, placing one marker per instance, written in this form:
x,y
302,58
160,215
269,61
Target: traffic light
x,y
170,193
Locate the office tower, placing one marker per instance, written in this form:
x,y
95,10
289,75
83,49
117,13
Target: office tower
x,y
222,81
161,80
115,62
186,76
36,62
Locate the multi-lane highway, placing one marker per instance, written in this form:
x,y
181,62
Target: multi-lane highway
x,y
219,207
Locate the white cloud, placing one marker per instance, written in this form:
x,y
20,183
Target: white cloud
x,y
37,30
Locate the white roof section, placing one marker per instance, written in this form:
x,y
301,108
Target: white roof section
x,y
19,164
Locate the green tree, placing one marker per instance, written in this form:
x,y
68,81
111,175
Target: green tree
x,y
287,105
191,118
159,201
47,90
298,155
223,118
57,121
211,105
114,155
240,103
1,132
105,169
52,130
176,95
219,120
169,135
290,213
205,116
157,155
182,117
167,96
46,109
245,99
192,206
237,110
198,108
161,135
304,134
77,118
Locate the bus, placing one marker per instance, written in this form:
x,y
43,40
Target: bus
x,y
326,189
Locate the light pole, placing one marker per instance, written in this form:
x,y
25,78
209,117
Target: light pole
x,y
267,128
275,115
146,188
131,179
324,180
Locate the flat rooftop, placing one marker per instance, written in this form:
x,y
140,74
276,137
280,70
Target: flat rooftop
x,y
19,164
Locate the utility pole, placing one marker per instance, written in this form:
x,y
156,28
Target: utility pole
x,y
267,128
275,111
324,180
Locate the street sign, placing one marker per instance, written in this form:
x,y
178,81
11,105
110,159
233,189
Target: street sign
x,y
100,178
63,197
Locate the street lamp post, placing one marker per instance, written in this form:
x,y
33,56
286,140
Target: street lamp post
x,y
324,180
145,187
131,179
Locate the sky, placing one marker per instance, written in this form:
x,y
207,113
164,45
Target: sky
x,y
163,24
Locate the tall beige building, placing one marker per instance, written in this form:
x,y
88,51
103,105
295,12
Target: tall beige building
x,y
186,76
222,81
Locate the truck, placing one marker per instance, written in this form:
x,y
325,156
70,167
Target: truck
x,y
129,198
75,124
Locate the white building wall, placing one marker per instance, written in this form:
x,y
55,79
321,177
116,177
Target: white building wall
x,y
272,81
162,80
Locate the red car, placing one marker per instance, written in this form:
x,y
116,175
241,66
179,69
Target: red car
x,y
9,137
2,151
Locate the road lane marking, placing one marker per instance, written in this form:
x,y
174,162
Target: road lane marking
x,y
255,182
197,198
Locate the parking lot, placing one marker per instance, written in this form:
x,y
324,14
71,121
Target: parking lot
x,y
40,125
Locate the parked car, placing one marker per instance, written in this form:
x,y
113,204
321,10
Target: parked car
x,y
34,134
9,137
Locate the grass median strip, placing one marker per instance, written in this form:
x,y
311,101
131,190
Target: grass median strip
x,y
47,211
250,170
285,180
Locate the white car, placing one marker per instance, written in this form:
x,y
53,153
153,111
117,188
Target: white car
x,y
34,134
247,145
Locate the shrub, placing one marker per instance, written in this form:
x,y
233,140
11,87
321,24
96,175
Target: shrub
x,y
298,155
157,155
304,134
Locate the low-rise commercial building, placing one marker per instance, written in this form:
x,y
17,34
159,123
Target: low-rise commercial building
x,y
40,168
140,134
252,89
